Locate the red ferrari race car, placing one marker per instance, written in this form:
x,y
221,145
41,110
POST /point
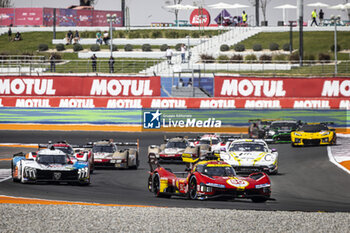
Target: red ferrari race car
x,y
207,179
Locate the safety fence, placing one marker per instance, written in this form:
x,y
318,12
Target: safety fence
x,y
32,65
44,65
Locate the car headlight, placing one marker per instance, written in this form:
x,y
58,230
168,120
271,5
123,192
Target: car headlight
x,y
29,172
206,189
83,172
266,185
297,134
271,132
268,157
324,133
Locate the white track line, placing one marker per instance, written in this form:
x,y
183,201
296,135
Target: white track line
x,y
5,179
332,160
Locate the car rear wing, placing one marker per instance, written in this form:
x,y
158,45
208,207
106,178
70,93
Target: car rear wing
x,y
254,120
20,154
178,136
50,143
323,123
231,137
91,144
263,120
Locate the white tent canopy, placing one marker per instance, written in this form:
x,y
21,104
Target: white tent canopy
x,y
338,7
284,7
318,4
221,5
181,7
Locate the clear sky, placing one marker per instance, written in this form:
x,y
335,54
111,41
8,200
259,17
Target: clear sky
x,y
144,12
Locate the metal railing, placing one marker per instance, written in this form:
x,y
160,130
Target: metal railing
x,y
44,66
275,68
135,66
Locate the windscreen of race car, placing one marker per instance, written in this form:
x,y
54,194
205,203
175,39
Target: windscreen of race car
x,y
103,149
247,147
284,125
52,159
313,128
65,149
176,145
216,170
207,142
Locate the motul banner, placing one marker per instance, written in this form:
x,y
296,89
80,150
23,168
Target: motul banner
x,y
281,87
174,103
80,86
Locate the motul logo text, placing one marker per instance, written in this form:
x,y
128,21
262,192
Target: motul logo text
x,y
26,86
121,87
258,88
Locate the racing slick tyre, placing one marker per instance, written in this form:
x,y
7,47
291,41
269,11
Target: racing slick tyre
x,y
13,179
192,189
274,172
334,140
156,186
259,199
85,183
137,162
127,160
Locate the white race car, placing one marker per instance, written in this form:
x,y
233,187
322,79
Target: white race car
x,y
213,140
251,155
106,153
172,150
49,165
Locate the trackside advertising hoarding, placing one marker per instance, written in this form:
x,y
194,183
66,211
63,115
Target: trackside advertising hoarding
x,y
174,103
80,86
282,87
64,17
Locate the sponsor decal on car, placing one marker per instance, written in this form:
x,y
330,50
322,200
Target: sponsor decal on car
x,y
238,183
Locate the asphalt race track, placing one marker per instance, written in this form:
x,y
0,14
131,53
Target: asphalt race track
x,y
307,180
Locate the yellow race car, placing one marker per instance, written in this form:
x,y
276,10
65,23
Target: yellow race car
x,y
314,134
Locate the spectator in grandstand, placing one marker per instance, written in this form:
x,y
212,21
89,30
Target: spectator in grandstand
x,y
9,33
321,17
189,84
69,37
111,64
98,38
93,62
181,83
76,37
52,63
17,37
105,37
169,54
183,53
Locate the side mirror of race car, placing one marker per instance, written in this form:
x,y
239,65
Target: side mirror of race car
x,y
273,150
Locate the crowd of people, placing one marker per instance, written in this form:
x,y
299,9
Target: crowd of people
x,y
17,37
314,17
102,38
72,38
